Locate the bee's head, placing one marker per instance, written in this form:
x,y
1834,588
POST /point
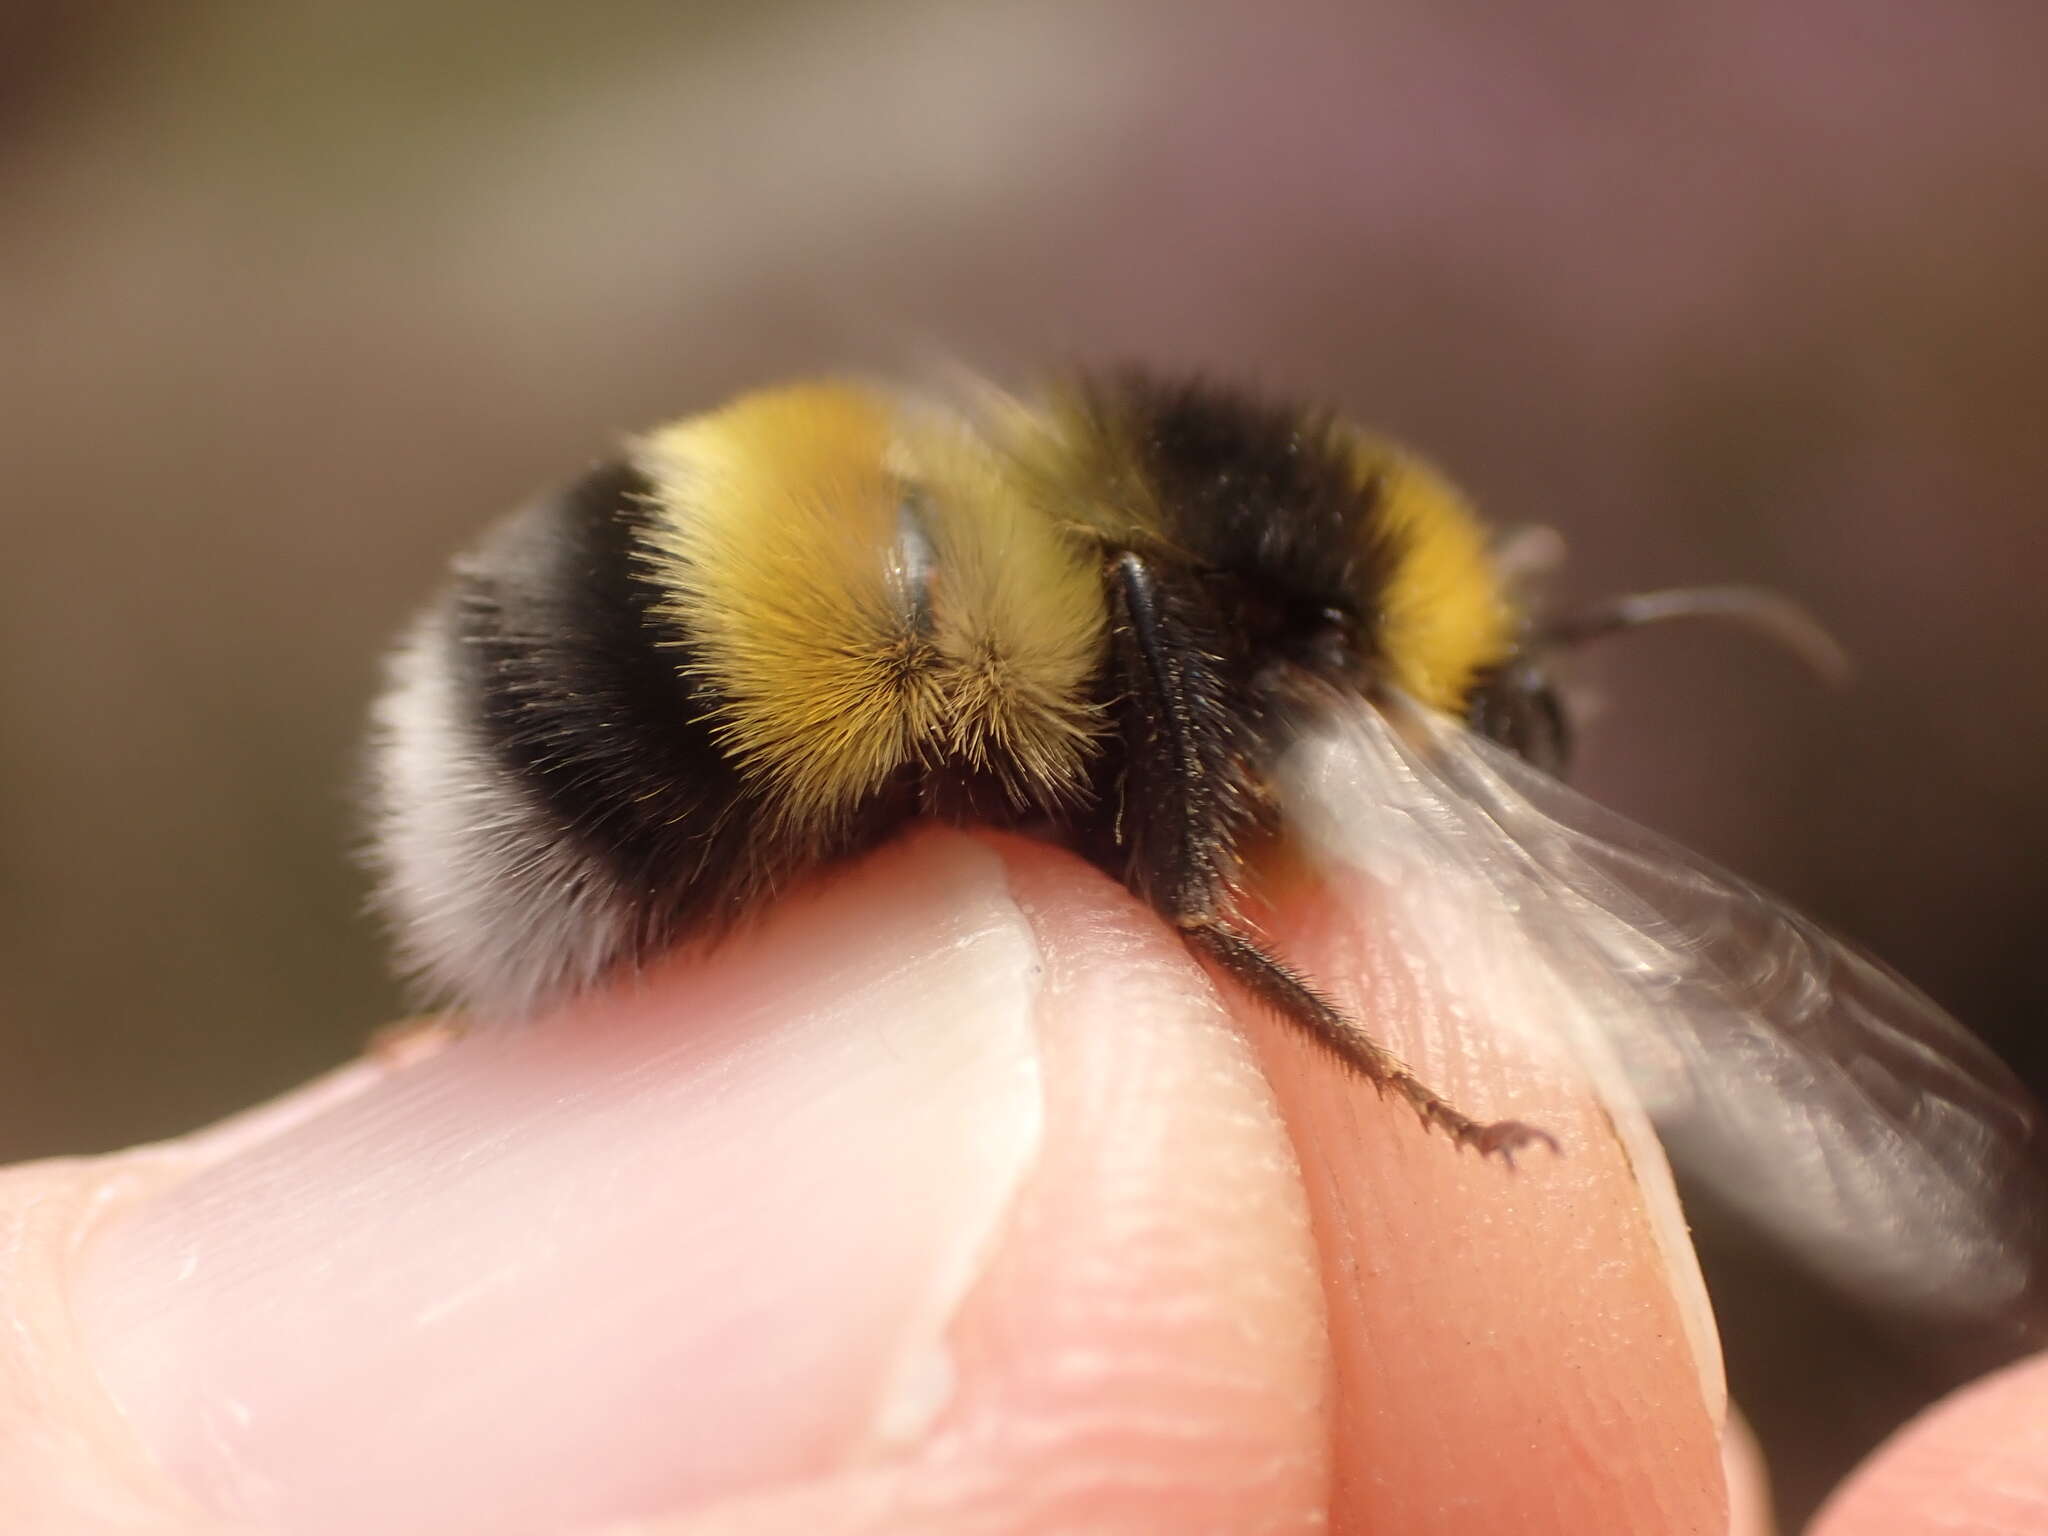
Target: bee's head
x,y
1517,704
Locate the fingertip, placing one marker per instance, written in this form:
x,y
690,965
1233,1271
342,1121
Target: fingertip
x,y
1146,1350
1977,1461
949,1197
1512,1347
687,1237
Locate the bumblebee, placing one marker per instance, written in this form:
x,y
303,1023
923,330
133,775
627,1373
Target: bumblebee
x,y
1123,614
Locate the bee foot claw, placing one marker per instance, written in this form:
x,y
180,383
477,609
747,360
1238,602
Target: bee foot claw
x,y
1504,1138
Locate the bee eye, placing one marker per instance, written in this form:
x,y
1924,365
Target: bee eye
x,y
1327,641
1517,706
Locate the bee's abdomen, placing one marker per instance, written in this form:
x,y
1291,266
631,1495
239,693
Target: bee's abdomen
x,y
756,644
583,692
553,800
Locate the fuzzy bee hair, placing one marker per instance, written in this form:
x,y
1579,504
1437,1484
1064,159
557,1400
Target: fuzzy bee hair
x,y
767,636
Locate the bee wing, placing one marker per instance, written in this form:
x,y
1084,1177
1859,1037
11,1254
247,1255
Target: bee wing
x,y
1806,1085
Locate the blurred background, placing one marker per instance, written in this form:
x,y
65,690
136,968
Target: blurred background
x,y
294,297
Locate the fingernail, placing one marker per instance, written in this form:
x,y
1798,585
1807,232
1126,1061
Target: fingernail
x,y
685,1239
1446,890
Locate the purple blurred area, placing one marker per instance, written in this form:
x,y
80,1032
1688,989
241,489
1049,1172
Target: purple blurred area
x,y
294,297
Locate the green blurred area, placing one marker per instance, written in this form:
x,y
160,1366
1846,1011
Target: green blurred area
x,y
293,298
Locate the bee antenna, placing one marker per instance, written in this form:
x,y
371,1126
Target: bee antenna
x,y
1771,614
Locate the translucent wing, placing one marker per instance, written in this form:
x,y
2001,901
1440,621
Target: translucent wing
x,y
1809,1087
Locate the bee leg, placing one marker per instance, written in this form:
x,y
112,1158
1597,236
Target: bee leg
x,y
1282,988
1188,782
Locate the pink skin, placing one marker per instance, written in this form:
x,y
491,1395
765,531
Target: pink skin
x,y
1975,1463
955,1198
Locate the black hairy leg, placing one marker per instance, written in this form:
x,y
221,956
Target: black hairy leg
x,y
1288,993
1196,745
